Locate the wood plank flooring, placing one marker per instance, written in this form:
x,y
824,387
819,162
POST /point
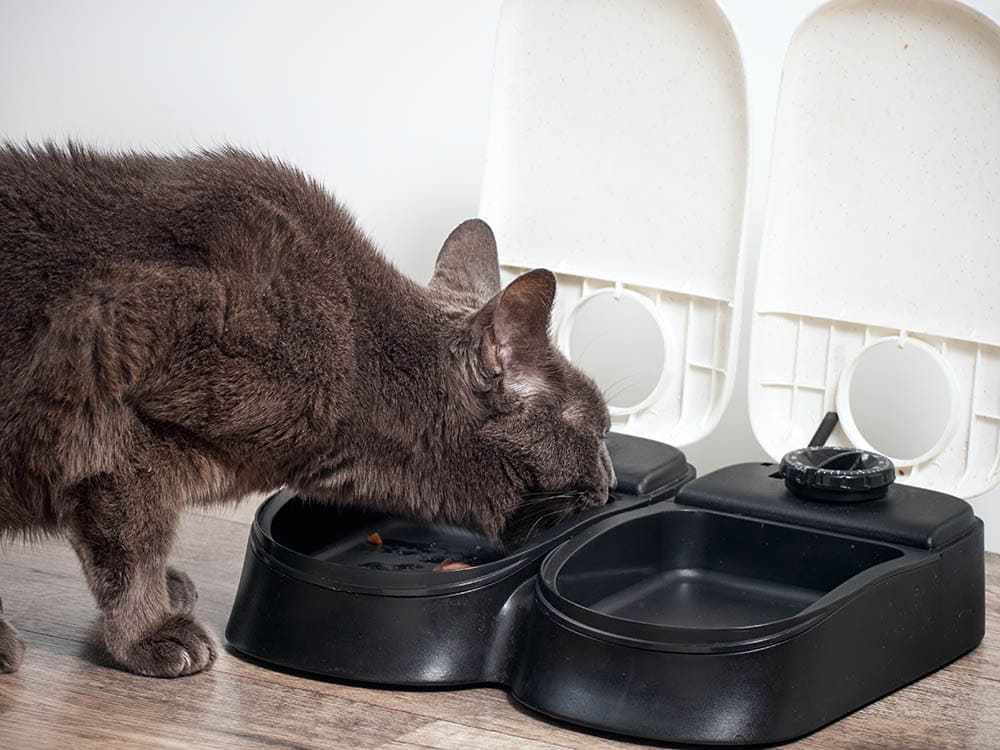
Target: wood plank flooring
x,y
67,695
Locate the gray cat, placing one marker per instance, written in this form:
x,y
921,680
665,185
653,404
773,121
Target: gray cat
x,y
185,330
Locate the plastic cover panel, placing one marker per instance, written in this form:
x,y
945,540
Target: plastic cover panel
x,y
617,158
878,275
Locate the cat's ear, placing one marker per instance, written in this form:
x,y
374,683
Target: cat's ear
x,y
517,339
467,263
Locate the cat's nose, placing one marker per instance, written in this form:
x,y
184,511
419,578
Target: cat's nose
x,y
609,466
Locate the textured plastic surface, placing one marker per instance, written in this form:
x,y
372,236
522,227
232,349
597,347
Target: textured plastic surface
x,y
698,621
316,596
617,157
877,281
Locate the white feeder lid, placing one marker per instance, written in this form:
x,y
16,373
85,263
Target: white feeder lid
x,y
617,158
880,263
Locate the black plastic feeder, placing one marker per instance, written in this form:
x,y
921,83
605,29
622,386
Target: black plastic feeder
x,y
758,605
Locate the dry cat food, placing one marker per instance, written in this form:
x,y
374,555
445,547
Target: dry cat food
x,y
375,539
449,564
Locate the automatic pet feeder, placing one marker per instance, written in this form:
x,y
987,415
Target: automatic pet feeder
x,y
762,601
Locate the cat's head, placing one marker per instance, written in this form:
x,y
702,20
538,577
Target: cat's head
x,y
543,422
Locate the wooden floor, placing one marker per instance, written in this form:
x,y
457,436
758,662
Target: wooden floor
x,y
68,696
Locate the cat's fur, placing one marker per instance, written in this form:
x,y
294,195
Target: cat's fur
x,y
185,330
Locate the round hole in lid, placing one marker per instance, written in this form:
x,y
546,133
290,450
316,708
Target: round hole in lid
x,y
615,337
898,397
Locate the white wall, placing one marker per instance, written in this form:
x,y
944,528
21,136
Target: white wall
x,y
386,101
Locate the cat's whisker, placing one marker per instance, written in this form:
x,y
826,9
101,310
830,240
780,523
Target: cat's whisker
x,y
615,394
528,501
548,493
541,518
598,336
620,381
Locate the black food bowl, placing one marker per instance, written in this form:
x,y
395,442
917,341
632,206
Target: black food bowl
x,y
316,596
741,613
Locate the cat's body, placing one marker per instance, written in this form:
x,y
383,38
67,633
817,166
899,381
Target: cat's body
x,y
182,330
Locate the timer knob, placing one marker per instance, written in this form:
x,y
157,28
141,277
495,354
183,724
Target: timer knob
x,y
837,475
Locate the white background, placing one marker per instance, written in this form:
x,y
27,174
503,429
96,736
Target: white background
x,y
386,101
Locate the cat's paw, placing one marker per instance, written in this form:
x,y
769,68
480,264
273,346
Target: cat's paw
x,y
181,646
11,648
182,591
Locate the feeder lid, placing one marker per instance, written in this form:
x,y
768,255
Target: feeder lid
x,y
833,474
617,158
876,290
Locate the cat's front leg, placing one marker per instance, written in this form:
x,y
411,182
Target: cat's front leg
x,y
123,542
181,591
